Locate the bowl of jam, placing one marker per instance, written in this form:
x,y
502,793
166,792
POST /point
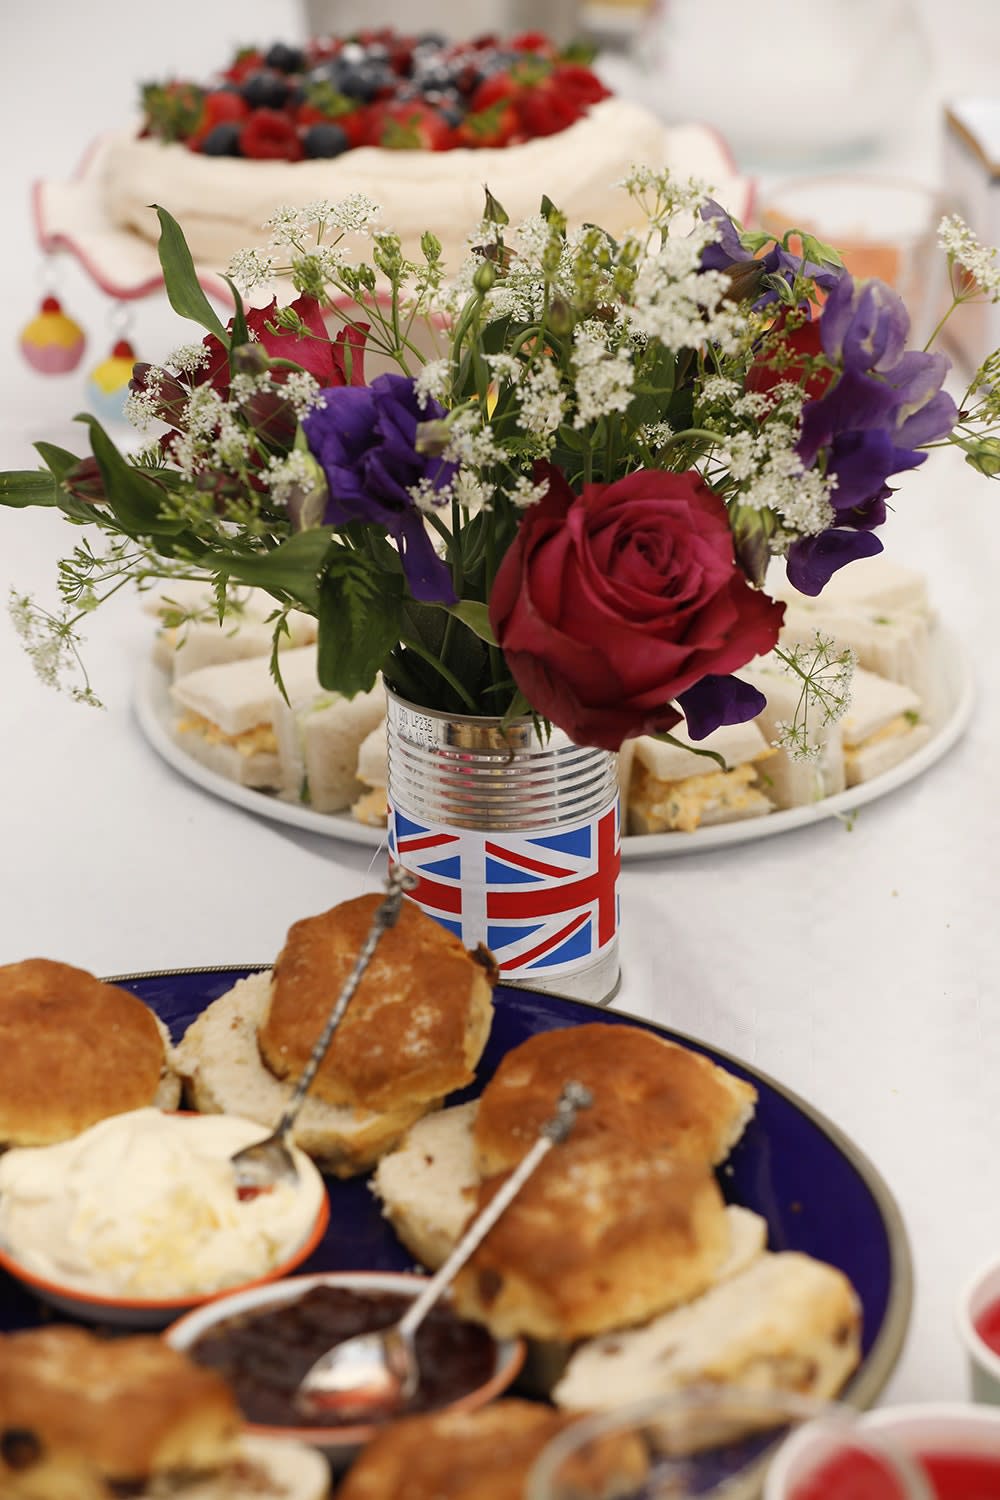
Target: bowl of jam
x,y
263,1340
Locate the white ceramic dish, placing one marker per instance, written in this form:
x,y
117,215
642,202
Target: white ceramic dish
x,y
906,1432
984,1363
337,1442
949,713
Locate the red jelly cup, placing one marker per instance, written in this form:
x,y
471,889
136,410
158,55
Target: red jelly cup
x,y
978,1316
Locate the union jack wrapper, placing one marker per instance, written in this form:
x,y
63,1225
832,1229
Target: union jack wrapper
x,y
546,903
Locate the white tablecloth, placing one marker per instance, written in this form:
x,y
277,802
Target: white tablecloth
x,y
856,966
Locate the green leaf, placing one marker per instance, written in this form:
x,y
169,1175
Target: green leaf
x,y
23,487
58,461
819,251
134,499
476,616
360,615
239,334
183,289
294,567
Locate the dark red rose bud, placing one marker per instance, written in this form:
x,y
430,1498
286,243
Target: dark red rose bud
x,y
84,482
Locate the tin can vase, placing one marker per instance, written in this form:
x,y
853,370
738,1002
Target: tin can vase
x,y
515,840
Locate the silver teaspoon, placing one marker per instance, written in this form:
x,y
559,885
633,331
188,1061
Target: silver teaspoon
x,y
371,1375
259,1167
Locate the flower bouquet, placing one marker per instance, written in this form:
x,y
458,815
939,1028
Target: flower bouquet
x,y
559,502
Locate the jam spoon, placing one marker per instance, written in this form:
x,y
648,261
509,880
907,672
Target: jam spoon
x,y
371,1375
259,1167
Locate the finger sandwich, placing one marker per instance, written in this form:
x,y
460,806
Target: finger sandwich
x,y
874,583
673,787
320,735
225,714
893,644
791,782
882,726
372,807
192,636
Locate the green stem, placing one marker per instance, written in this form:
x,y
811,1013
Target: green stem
x,y
440,668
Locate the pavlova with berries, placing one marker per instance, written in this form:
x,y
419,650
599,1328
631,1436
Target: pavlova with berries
x,y
395,117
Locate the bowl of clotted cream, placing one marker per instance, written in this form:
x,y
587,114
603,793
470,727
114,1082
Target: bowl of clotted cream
x,y
137,1219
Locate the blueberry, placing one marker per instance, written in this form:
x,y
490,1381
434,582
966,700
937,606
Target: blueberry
x,y
429,39
324,140
265,90
285,59
365,82
222,140
377,52
351,53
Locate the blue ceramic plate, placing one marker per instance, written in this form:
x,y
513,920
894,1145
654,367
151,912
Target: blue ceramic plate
x,y
816,1190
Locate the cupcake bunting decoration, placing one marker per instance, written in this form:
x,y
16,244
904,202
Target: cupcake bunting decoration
x,y
107,383
52,343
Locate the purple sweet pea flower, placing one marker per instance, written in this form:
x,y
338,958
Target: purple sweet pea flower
x,y
813,560
719,700
864,325
728,251
364,438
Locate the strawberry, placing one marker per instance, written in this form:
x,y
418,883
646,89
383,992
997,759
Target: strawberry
x,y
545,111
172,109
498,88
246,61
532,41
221,107
410,125
270,136
495,126
582,84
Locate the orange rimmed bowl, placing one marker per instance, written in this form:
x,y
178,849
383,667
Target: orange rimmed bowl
x,y
78,1298
338,1442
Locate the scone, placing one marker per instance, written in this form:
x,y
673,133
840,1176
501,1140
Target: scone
x,y
413,1032
416,1026
428,1186
223,1074
74,1050
784,1323
86,1418
602,1235
485,1455
662,1096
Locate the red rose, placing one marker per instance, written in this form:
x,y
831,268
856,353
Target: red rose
x,y
610,604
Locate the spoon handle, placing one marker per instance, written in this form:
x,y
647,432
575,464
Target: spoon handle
x,y
573,1098
386,915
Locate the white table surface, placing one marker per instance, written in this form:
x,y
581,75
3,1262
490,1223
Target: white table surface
x,y
858,967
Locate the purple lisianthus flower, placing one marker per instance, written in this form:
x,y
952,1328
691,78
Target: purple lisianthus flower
x,y
364,438
717,700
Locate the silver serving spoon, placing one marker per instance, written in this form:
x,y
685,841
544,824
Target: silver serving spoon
x,y
371,1375
259,1167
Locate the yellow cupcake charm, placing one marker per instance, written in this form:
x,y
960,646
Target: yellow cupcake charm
x,y
107,384
52,343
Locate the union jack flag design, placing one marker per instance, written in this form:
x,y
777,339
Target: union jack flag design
x,y
547,902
